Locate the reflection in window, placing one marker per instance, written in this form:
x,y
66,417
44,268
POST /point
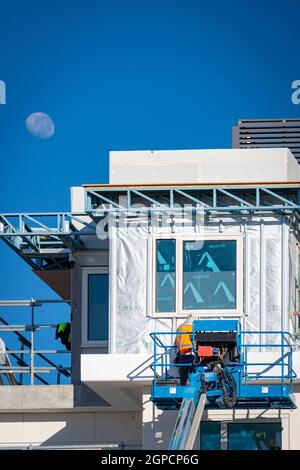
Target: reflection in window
x,y
254,436
210,435
165,275
209,274
98,307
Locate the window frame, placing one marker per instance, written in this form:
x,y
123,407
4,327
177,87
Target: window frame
x,y
85,342
225,422
219,422
155,275
264,424
179,311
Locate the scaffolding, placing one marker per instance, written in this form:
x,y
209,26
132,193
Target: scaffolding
x,y
18,362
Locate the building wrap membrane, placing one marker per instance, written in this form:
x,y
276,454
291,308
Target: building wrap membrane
x,y
265,245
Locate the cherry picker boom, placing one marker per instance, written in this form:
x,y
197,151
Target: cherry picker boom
x,y
222,375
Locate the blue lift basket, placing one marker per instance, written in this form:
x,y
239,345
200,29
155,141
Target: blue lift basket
x,y
234,380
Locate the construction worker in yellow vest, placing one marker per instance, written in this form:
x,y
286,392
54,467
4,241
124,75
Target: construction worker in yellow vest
x,y
185,349
63,331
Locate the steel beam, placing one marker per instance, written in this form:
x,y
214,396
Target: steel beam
x,y
39,238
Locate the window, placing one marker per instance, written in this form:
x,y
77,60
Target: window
x,y
95,306
199,275
210,435
165,275
241,436
209,274
254,436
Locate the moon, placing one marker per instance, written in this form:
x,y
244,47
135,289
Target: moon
x,y
40,125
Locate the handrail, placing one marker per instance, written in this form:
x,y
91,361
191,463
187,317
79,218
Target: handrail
x,y
22,363
285,346
100,446
22,366
27,343
137,371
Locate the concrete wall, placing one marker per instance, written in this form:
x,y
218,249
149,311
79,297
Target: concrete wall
x,y
157,424
69,428
152,427
49,398
116,367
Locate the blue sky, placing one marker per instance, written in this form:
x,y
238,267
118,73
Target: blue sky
x,y
125,74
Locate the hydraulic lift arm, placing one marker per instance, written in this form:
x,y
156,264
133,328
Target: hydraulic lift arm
x,y
187,423
219,377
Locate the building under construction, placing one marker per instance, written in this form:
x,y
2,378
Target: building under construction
x,y
208,234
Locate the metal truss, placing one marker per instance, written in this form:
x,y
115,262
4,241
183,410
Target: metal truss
x,y
45,240
212,199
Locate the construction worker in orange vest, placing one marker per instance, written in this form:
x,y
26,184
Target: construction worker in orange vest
x,y
185,349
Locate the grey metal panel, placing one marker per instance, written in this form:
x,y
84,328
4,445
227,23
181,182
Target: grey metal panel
x,y
235,137
269,122
269,134
265,133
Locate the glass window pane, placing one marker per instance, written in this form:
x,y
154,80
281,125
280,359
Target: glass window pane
x,y
209,274
210,435
165,275
254,436
98,307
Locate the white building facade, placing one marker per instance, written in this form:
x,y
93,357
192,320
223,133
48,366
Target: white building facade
x,y
212,233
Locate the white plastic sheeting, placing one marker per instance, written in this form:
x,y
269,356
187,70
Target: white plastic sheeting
x,y
265,242
293,293
264,281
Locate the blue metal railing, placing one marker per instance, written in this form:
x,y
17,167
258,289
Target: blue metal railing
x,y
165,347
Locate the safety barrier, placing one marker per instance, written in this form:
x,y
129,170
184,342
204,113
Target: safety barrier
x,y
278,369
23,361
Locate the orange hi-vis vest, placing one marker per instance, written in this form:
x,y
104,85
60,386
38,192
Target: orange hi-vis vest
x,y
184,340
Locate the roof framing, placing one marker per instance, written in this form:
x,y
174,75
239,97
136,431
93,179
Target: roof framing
x,y
45,240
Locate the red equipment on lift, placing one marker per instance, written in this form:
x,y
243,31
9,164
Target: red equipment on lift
x,y
208,351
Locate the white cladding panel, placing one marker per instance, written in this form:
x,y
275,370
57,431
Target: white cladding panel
x,y
60,428
202,166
